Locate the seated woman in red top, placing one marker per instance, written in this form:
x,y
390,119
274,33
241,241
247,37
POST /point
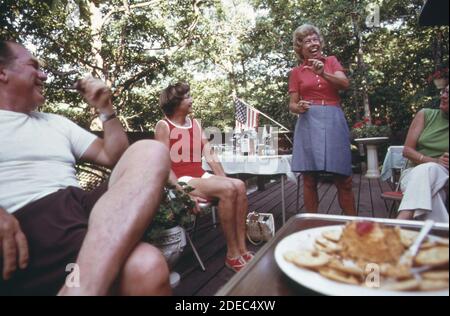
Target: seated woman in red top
x,y
187,143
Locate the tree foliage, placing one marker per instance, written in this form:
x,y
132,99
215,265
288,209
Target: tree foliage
x,y
226,47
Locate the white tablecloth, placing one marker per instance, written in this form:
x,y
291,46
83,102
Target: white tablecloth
x,y
258,165
394,160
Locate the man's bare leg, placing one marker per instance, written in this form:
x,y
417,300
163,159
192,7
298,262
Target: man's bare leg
x,y
120,217
145,273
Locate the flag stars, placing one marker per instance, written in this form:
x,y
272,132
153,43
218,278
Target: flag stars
x,y
246,116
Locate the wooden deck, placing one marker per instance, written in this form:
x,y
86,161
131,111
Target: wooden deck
x,y
211,244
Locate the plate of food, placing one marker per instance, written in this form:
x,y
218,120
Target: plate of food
x,y
363,258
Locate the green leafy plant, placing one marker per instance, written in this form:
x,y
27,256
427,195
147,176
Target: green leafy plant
x,y
175,209
365,130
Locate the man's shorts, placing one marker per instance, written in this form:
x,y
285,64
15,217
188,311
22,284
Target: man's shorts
x,y
55,227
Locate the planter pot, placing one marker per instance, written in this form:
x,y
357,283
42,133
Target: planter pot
x,y
440,83
171,242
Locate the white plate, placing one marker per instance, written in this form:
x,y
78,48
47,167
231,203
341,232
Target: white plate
x,y
304,240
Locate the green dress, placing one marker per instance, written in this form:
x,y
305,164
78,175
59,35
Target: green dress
x,y
433,142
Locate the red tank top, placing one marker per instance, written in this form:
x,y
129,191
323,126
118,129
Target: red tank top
x,y
186,149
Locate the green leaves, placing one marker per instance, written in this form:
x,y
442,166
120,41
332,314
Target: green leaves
x,y
174,210
367,131
221,47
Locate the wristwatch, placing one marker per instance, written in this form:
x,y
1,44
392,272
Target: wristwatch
x,y
106,117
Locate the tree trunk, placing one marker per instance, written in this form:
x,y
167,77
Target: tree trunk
x,y
367,114
244,73
437,50
233,81
362,68
96,25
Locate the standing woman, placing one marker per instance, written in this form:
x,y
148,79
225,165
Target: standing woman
x,y
322,138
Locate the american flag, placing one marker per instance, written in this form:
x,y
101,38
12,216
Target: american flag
x,y
246,116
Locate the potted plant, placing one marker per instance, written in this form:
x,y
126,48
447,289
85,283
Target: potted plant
x,y
167,230
439,78
365,130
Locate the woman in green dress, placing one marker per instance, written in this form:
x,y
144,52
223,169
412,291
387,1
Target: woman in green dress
x,y
424,181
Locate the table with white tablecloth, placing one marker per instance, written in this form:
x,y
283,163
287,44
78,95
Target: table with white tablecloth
x,y
259,165
394,160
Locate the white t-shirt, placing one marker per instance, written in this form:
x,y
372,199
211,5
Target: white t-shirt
x,y
37,156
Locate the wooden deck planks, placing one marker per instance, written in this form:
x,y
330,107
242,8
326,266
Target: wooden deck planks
x,y
211,244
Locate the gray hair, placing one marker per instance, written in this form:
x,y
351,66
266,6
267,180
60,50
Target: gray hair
x,y
300,33
6,54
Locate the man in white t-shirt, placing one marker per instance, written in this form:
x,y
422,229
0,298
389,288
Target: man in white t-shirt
x,y
48,225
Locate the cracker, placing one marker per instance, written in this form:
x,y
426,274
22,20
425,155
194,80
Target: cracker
x,y
339,276
325,242
433,285
398,272
407,285
427,245
290,255
319,247
434,256
338,265
328,244
442,241
435,275
311,259
332,235
407,237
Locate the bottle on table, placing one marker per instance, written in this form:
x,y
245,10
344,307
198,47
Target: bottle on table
x,y
245,144
253,141
237,142
267,140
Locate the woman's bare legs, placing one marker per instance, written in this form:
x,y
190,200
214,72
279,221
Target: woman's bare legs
x,y
241,213
345,194
310,196
231,208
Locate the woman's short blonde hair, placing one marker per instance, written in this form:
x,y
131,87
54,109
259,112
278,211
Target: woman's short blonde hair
x,y
300,33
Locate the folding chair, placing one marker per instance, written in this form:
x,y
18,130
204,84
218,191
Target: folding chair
x,y
395,196
191,232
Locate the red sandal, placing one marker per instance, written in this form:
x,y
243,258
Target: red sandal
x,y
249,255
235,264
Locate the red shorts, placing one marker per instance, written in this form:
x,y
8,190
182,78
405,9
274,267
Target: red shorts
x,y
55,227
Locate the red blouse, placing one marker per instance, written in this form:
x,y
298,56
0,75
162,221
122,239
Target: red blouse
x,y
313,87
186,149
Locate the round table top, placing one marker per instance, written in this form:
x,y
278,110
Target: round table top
x,y
372,140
